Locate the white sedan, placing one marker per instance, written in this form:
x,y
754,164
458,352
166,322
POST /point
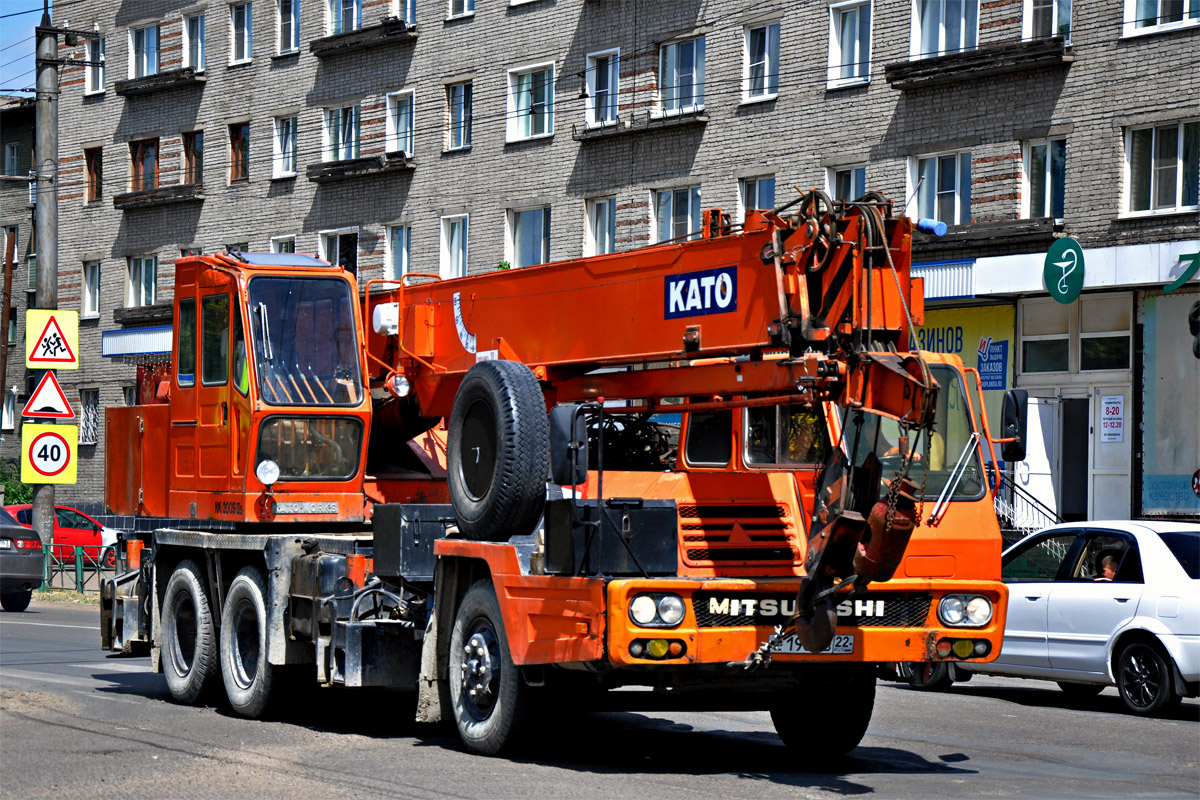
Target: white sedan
x,y
1096,604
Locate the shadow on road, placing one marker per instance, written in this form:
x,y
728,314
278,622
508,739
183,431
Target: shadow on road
x,y
1041,694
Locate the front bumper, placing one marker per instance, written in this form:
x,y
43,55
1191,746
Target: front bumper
x,y
20,571
894,621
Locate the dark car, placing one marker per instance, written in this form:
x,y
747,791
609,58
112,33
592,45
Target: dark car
x,y
20,563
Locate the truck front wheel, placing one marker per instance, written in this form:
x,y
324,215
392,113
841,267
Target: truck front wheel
x,y
189,639
486,692
828,716
244,666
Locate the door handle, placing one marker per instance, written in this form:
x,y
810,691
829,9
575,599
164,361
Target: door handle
x,y
1122,599
1033,597
224,414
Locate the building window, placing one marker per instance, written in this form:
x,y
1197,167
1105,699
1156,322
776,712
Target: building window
x,y
677,212
94,74
458,100
1163,167
453,263
193,43
285,140
603,81
341,248
944,187
1045,18
237,247
143,51
1104,332
141,285
944,26
848,183
341,133
344,16
530,103
399,251
408,11
31,278
191,251
12,325
12,158
530,236
288,40
241,45
1092,334
849,43
129,395
193,157
283,244
144,158
1046,173
1045,336
400,123
89,416
10,411
93,160
681,76
602,226
1151,16
757,193
89,304
761,71
239,152
461,8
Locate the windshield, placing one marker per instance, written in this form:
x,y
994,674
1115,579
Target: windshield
x,y
305,347
939,453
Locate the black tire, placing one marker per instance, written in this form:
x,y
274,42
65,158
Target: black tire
x,y
489,721
828,717
931,676
1080,691
245,670
1145,680
16,601
498,454
189,645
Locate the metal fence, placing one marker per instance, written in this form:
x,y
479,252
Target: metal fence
x,y
77,569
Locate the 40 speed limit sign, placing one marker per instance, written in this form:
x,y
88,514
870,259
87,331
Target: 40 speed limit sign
x,y
48,453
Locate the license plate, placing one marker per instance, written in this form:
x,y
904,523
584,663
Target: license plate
x,y
842,644
5,544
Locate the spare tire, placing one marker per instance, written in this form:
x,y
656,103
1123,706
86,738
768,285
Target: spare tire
x,y
498,451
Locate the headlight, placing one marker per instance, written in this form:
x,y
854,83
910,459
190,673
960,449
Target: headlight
x,y
643,610
979,611
670,609
965,610
657,610
952,610
267,472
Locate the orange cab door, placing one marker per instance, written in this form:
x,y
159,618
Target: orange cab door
x,y
214,429
184,453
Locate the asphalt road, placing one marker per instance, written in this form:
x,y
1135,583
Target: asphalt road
x,y
75,722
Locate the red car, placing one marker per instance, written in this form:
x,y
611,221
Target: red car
x,y
74,528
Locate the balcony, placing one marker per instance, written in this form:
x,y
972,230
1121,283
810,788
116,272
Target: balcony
x,y
187,76
1007,236
389,29
137,316
639,122
328,171
982,63
160,196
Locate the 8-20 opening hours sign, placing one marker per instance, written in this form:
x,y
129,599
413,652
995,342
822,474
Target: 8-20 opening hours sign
x,y
1112,418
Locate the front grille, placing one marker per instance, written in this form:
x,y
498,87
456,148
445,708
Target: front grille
x,y
898,609
748,534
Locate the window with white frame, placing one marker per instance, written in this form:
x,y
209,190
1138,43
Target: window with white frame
x,y
283,244
288,38
399,261
677,213
458,105
12,158
943,187
602,226
89,302
286,140
143,51
11,232
141,281
1045,18
460,8
603,82
94,74
453,261
681,76
1162,167
89,416
340,247
530,236
12,325
531,102
848,183
31,278
241,45
407,11
1092,334
757,193
10,411
399,127
1045,179
1152,16
849,43
342,133
344,16
944,26
760,73
193,43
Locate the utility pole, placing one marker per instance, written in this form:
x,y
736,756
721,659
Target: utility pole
x,y
46,219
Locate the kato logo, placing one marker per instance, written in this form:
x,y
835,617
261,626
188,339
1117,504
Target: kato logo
x,y
697,294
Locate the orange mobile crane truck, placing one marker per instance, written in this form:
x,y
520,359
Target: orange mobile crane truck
x,y
714,467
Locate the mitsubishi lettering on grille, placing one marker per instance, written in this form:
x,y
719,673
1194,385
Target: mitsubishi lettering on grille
x,y
772,607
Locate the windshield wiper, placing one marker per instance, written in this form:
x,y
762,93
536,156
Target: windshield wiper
x,y
261,310
960,469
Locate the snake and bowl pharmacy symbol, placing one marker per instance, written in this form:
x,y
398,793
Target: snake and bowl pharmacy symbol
x,y
1062,272
48,453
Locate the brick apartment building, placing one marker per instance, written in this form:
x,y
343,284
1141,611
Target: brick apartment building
x,y
451,136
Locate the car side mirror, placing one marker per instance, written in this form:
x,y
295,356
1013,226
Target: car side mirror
x,y
1013,419
568,445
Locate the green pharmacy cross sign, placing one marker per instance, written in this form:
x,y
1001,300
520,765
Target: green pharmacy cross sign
x,y
1188,272
1063,270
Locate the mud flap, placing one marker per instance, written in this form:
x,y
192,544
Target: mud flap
x,y
429,698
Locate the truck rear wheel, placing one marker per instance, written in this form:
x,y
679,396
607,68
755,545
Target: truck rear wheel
x,y
828,717
486,692
498,453
189,640
244,667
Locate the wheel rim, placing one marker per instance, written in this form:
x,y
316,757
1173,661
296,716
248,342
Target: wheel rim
x,y
480,678
1142,678
244,646
478,449
183,633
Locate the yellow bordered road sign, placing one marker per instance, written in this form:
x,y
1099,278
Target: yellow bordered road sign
x,y
49,453
51,339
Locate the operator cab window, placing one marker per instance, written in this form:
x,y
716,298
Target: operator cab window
x,y
785,435
709,438
214,345
186,374
1039,561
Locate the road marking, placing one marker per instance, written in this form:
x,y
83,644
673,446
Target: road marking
x,y
114,667
101,696
53,625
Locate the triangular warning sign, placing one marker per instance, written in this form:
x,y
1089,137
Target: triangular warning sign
x,y
52,347
48,401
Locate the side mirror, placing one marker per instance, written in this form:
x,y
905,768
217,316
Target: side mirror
x,y
1013,418
568,445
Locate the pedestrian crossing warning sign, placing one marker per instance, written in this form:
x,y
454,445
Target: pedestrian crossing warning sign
x,y
51,339
48,401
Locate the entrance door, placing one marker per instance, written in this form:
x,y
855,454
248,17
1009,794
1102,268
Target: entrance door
x,y
1036,474
1074,448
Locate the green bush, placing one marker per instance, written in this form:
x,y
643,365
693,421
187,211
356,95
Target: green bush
x,y
14,491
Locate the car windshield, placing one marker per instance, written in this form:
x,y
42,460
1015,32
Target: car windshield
x,y
305,342
1185,546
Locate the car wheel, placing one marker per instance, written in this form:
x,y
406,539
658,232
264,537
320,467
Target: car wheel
x,y
1080,691
110,558
931,676
16,601
244,666
188,636
1144,679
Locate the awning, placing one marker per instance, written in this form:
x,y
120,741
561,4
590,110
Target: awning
x,y
138,345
